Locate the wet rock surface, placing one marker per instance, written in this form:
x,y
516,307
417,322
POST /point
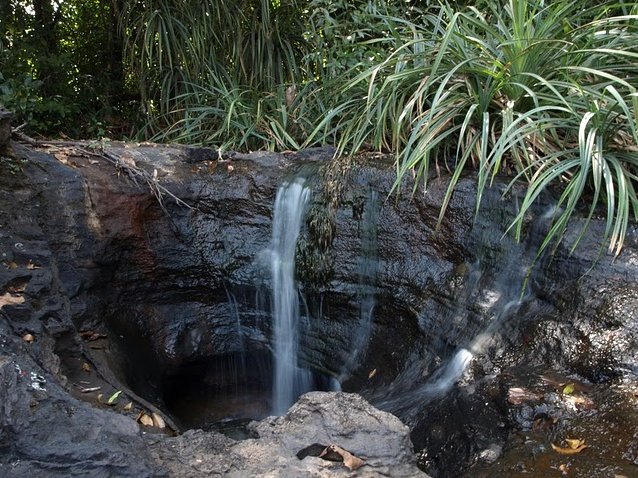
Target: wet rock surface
x,y
346,420
98,274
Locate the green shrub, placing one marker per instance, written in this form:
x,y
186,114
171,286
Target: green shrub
x,y
544,92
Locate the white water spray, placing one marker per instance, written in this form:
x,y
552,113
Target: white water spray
x,y
289,381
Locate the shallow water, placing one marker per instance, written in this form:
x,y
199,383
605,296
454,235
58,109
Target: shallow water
x,y
604,417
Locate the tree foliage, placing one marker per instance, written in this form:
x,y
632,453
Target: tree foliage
x,y
542,91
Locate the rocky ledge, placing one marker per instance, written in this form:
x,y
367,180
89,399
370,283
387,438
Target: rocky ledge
x,y
124,269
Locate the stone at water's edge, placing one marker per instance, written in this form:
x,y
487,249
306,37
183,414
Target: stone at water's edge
x,y
343,419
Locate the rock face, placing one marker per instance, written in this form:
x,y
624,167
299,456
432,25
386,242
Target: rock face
x,y
147,294
5,132
45,432
325,418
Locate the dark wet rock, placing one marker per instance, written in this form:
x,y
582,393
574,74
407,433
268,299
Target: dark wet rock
x,y
5,132
94,251
44,432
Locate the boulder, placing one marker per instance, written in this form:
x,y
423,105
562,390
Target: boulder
x,y
290,445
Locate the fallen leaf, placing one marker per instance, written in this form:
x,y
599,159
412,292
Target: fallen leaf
x,y
350,461
574,443
86,367
91,389
128,407
12,265
372,373
31,266
145,420
90,335
28,338
128,160
100,397
113,398
61,157
573,446
8,299
158,421
580,401
569,389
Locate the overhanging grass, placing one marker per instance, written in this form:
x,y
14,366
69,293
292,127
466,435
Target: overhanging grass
x,y
527,90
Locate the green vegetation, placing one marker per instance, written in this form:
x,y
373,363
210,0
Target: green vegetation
x,y
544,92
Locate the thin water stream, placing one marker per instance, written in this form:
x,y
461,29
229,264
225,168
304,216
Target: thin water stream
x,y
289,380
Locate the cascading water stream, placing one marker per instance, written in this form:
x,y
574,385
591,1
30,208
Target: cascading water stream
x,y
500,292
289,380
368,269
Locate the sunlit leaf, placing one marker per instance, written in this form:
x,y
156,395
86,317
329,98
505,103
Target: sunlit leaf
x,y
574,446
113,398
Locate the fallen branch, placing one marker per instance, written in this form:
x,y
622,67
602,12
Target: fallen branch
x,y
16,133
134,172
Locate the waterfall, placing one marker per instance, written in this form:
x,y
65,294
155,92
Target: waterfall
x,y
289,381
368,270
496,288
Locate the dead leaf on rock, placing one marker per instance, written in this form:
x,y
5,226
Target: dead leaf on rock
x,y
350,461
158,421
8,299
145,420
31,266
63,158
113,398
128,407
372,373
12,265
90,335
86,367
580,401
574,445
90,389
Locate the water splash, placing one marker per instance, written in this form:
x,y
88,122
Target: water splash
x,y
289,380
495,287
